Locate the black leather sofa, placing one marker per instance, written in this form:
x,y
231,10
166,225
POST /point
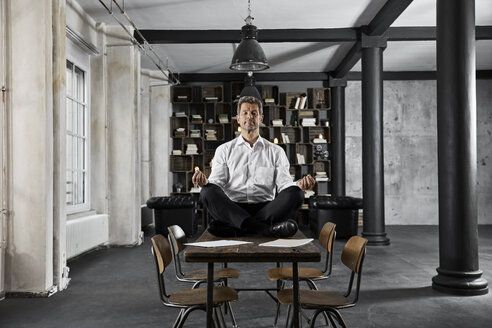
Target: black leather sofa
x,y
341,210
180,210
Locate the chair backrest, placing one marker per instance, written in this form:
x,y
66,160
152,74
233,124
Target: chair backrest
x,y
327,241
162,257
353,253
353,257
177,238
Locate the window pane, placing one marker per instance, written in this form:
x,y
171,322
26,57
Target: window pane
x,y
69,115
81,118
80,153
69,152
69,79
80,188
74,156
79,74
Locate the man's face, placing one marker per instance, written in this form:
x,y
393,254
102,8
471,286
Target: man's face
x,y
249,117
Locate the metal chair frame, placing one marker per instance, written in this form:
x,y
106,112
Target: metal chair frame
x,y
356,269
328,245
176,238
164,296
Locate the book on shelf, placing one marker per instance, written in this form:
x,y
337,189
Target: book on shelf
x,y
298,102
177,152
308,121
182,98
223,118
319,140
191,149
180,132
306,113
180,114
195,133
210,135
278,122
300,159
196,118
285,138
321,176
303,101
269,101
211,98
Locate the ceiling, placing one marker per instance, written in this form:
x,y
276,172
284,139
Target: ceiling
x,y
283,14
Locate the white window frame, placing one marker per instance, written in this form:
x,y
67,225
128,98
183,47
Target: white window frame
x,y
81,59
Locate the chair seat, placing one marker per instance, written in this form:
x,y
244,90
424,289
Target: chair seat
x,y
314,298
219,273
286,273
198,296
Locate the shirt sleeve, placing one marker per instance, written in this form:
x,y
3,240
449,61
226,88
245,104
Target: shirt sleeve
x,y
220,172
283,179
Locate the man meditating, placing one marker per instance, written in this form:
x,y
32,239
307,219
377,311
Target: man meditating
x,y
247,172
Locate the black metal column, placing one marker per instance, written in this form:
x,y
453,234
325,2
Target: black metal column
x,y
458,271
338,134
372,140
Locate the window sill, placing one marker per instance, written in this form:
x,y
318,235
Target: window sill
x,y
73,216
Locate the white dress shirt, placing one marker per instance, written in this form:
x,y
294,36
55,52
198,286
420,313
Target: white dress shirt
x,y
250,174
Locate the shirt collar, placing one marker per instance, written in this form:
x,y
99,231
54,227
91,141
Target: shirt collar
x,y
259,141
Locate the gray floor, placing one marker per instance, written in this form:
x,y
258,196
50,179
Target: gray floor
x,y
117,287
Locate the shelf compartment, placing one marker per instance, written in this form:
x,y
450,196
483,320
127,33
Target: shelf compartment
x,y
181,163
320,98
193,141
269,92
212,93
296,100
276,113
181,94
179,123
219,131
197,109
312,132
305,150
322,166
294,134
222,109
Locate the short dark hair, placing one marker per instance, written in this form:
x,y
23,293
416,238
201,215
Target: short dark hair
x,y
250,100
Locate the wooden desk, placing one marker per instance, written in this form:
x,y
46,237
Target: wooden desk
x,y
251,253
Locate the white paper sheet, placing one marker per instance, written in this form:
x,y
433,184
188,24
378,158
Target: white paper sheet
x,y
287,242
218,243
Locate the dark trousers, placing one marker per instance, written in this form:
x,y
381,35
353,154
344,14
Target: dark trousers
x,y
224,213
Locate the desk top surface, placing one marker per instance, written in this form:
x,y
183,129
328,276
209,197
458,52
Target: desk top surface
x,y
252,252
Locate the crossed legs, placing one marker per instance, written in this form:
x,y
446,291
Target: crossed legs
x,y
230,219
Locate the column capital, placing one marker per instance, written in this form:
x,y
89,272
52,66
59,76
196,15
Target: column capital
x,y
371,41
337,82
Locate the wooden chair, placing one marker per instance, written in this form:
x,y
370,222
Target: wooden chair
x,y
177,239
308,274
323,301
191,299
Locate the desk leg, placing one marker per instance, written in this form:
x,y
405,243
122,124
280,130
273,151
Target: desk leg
x,y
295,287
210,294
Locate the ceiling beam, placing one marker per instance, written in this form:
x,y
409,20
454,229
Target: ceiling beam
x,y
315,76
378,26
391,10
234,36
403,33
229,77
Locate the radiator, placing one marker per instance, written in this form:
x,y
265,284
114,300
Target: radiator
x,y
86,233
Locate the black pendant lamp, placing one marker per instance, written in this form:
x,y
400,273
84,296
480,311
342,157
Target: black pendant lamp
x,y
249,87
249,55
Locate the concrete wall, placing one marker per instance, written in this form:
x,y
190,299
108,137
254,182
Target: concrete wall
x,y
29,259
410,150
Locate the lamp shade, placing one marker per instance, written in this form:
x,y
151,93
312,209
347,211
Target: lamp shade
x,y
249,87
249,55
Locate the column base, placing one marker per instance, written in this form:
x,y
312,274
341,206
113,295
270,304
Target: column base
x,y
376,238
464,283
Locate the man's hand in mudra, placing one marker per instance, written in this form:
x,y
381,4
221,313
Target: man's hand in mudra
x,y
306,183
199,178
